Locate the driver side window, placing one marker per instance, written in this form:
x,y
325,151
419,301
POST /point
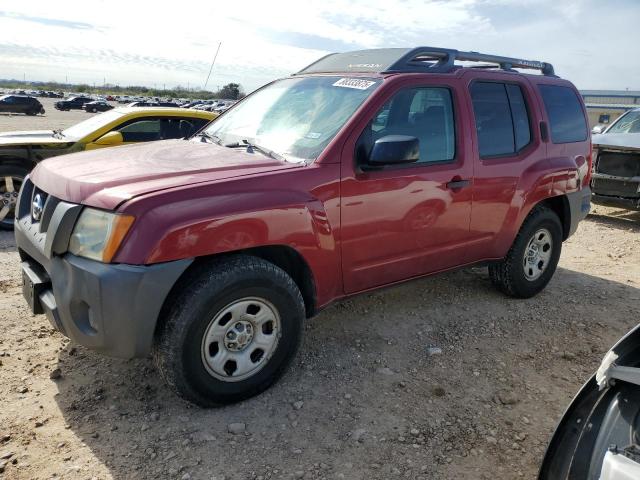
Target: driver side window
x,y
424,113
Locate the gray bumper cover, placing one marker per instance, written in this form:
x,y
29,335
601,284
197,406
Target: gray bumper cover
x,y
579,206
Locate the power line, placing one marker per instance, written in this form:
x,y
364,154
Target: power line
x,y
212,63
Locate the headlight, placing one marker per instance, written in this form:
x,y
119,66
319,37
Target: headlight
x,y
98,234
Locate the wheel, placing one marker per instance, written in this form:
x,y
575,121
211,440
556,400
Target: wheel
x,y
533,257
31,112
229,331
11,178
42,111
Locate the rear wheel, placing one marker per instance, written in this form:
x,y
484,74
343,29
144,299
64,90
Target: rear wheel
x,y
533,257
230,331
11,178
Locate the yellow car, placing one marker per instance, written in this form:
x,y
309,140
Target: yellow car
x,y
21,151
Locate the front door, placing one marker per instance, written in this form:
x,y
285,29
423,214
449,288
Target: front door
x,y
402,221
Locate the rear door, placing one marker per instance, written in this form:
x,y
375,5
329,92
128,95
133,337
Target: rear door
x,y
403,221
507,150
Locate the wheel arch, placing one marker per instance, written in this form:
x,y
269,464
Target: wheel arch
x,y
283,256
560,206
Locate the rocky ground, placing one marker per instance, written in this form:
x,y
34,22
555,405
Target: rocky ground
x,y
439,378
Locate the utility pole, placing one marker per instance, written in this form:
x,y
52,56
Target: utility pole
x,y
212,63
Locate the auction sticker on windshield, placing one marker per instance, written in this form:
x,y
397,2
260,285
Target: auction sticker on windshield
x,y
353,83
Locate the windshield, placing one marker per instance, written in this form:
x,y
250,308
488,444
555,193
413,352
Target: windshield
x,y
295,117
90,125
627,123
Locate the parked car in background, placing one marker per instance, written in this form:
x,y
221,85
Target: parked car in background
x,y
20,104
72,103
365,169
97,106
153,104
21,151
599,435
616,152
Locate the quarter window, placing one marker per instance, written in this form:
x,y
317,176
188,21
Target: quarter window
x,y
566,119
424,113
502,121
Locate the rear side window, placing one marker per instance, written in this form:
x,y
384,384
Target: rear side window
x,y
502,121
566,120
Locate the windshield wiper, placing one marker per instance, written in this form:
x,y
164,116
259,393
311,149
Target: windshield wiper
x,y
204,136
252,146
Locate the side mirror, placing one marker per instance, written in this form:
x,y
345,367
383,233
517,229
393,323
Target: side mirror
x,y
598,129
110,139
394,149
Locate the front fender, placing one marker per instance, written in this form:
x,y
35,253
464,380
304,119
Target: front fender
x,y
242,214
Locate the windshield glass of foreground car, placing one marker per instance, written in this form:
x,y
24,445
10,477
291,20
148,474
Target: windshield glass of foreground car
x,y
295,117
90,125
628,123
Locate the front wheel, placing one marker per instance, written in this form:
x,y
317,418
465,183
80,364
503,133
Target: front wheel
x,y
533,257
11,178
229,331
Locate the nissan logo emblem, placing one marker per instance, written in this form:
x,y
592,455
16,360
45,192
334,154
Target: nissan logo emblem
x,y
36,207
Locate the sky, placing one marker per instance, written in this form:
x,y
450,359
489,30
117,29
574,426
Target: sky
x,y
594,43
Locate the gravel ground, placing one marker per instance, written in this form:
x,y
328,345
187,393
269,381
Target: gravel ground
x,y
442,377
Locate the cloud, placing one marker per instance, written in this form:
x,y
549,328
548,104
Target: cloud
x,y
48,21
132,43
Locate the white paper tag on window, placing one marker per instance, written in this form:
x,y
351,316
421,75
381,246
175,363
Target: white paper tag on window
x,y
356,83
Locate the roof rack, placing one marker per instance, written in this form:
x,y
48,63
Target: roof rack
x,y
420,59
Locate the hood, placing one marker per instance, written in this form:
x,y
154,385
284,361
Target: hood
x,y
107,177
33,137
628,141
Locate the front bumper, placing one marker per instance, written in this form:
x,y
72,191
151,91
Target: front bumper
x,y
615,191
111,308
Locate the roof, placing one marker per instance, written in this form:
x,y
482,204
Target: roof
x,y
419,59
610,93
613,106
180,112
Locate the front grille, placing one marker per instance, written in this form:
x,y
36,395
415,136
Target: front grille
x,y
35,206
619,164
617,188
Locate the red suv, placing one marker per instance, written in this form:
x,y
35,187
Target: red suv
x,y
362,170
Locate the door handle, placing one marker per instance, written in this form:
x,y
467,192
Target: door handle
x,y
458,183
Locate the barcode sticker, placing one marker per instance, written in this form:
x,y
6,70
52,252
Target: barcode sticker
x,y
356,83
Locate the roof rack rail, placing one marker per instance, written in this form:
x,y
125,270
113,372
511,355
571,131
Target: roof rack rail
x,y
420,59
444,59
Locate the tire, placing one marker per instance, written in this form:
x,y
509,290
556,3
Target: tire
x,y
522,277
186,348
42,111
9,193
31,112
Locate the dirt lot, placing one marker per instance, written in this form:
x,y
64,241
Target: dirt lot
x,y
369,397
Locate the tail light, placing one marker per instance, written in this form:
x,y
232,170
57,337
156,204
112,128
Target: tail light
x,y
587,178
